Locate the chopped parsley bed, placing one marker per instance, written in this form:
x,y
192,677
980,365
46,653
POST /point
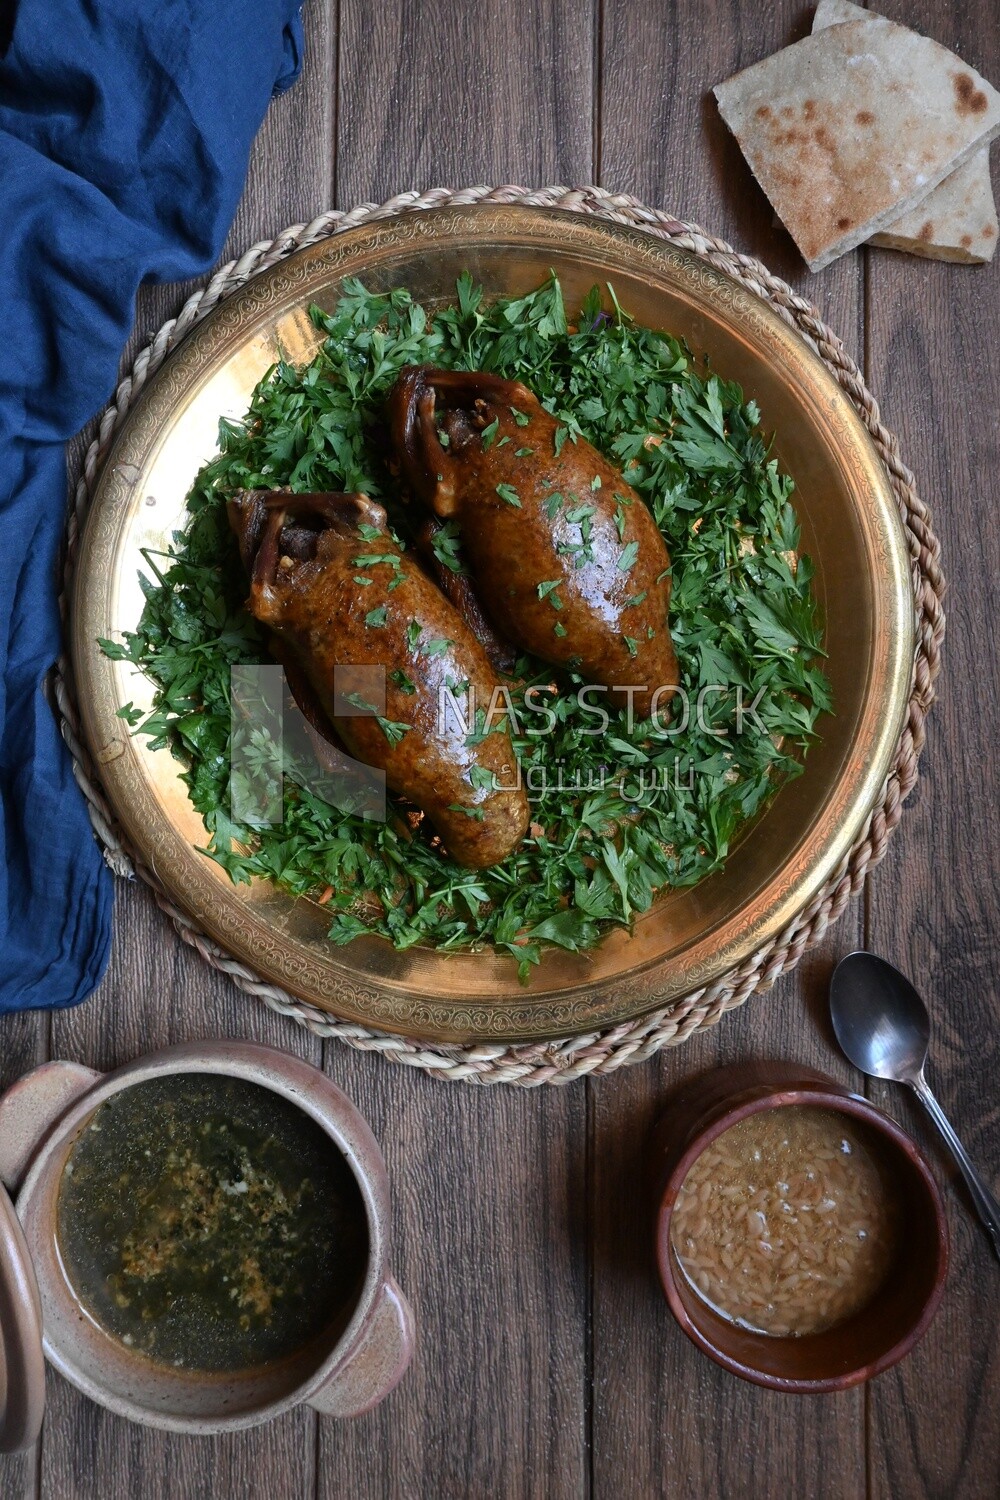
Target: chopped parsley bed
x,y
616,816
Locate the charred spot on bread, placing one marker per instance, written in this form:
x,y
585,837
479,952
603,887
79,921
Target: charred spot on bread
x,y
968,99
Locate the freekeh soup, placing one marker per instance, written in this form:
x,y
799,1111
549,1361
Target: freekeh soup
x,y
208,1223
788,1222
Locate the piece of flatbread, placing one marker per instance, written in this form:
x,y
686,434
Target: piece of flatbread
x,y
957,221
833,12
848,129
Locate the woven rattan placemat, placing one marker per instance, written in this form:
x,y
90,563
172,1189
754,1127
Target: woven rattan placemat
x,y
597,1052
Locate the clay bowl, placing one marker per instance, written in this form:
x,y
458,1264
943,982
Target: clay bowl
x,y
876,1337
345,1372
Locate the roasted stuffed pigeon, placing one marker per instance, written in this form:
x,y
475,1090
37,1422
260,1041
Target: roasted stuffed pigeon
x,y
566,557
340,597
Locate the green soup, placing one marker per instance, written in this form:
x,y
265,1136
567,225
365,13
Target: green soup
x,y
208,1223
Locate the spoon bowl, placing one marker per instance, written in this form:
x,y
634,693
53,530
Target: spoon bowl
x,y
880,1021
884,1029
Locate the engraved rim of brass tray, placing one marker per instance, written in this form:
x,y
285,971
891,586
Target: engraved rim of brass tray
x,y
716,925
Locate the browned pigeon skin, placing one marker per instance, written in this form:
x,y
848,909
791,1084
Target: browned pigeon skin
x,y
305,554
566,557
457,587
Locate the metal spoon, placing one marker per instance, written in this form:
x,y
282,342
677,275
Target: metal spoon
x,y
884,1028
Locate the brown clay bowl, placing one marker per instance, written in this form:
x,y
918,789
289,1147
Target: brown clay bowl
x,y
876,1337
345,1372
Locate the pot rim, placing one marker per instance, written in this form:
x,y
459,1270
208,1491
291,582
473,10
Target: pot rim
x,y
823,1094
280,1072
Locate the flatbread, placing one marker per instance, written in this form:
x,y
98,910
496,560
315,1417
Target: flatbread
x,y
836,12
957,221
850,128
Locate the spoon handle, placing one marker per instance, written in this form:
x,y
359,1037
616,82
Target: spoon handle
x,y
986,1205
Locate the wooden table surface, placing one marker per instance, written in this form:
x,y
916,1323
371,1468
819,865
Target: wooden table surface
x,y
548,1364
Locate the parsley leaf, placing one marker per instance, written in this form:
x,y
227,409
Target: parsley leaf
x,y
478,813
392,730
445,543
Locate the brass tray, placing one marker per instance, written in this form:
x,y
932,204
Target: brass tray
x,y
850,528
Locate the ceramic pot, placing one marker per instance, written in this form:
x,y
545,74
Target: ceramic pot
x,y
41,1118
882,1332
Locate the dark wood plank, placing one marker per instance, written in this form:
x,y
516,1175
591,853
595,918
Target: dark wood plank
x,y
86,1452
23,1044
19,1474
665,1419
935,364
490,1245
438,94
157,991
489,1186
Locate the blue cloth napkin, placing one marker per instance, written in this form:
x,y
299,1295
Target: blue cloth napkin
x,y
125,130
